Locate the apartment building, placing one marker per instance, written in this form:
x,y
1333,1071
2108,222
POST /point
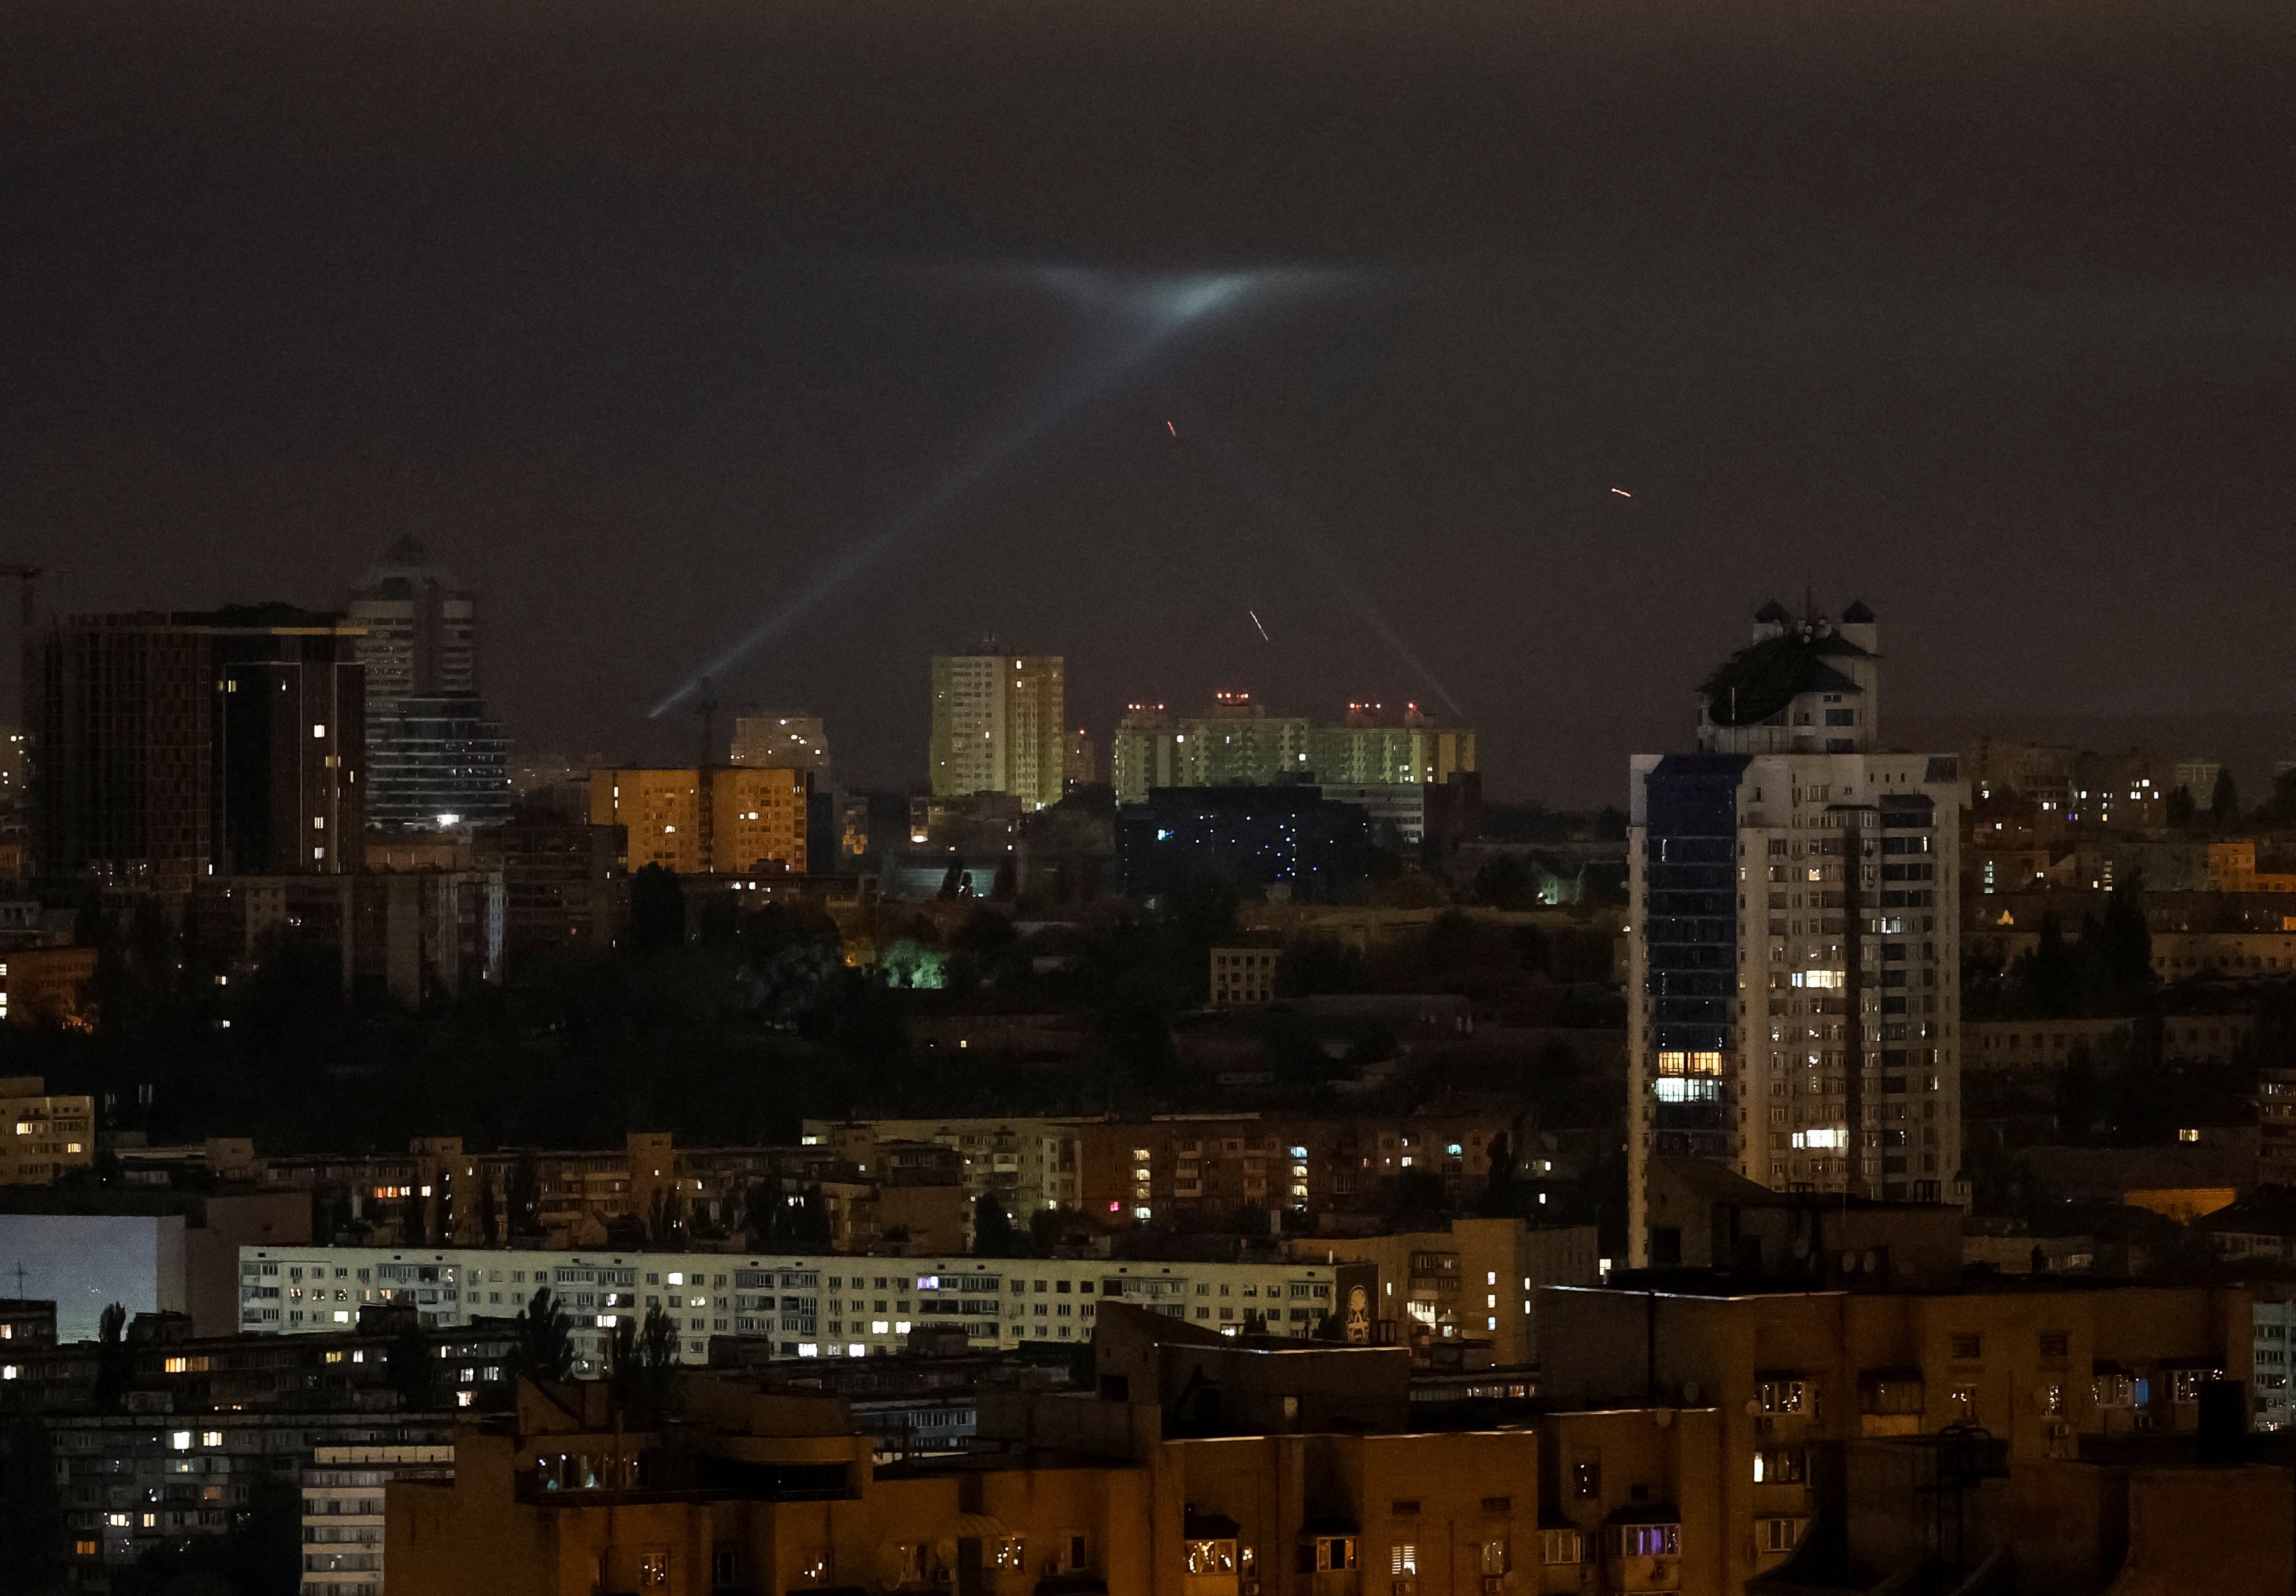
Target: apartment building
x,y
1026,1164
440,1193
1244,976
343,1511
724,819
2047,1369
818,1305
42,1135
1477,1280
999,724
1195,1466
2050,1042
1793,952
1150,1169
211,1429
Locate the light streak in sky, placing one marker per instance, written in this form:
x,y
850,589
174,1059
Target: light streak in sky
x,y
1264,637
1300,525
1133,321
1622,493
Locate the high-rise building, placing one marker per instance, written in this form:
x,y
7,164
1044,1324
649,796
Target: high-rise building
x,y
1377,746
180,746
999,725
1237,742
1795,957
717,818
435,758
784,741
1234,742
1083,765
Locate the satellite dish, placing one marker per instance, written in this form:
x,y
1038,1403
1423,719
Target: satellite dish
x,y
1801,1246
1690,1393
1848,1262
1753,1407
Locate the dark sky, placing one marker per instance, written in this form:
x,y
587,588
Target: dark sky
x,y
638,312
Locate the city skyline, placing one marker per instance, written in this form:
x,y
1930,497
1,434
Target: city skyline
x,y
1730,310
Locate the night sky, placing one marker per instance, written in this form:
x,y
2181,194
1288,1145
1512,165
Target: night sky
x,y
637,313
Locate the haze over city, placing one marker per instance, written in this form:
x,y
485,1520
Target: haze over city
x,y
1147,798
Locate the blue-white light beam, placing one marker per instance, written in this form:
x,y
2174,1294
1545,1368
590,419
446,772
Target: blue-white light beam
x,y
1149,317
1300,527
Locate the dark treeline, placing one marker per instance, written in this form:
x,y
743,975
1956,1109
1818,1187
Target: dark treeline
x,y
730,1034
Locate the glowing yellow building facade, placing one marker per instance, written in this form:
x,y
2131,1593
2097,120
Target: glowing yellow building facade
x,y
693,822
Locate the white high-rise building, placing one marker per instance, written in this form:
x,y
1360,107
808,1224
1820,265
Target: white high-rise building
x,y
999,725
1794,951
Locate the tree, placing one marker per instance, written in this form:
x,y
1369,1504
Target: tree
x,y
2280,809
2051,972
657,911
489,1220
667,1220
114,1364
1502,1175
644,1367
260,1555
1316,965
525,1197
2127,942
993,1235
2184,809
1505,883
2224,798
644,1363
411,1367
955,883
545,1347
414,1219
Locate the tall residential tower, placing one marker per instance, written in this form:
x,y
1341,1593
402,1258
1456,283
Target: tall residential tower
x,y
1794,954
181,746
435,758
999,725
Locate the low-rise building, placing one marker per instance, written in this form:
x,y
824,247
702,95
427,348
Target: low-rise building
x,y
811,1305
48,986
2008,1046
1027,1164
1150,1170
1242,976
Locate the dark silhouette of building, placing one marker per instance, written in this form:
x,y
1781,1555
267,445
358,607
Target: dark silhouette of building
x,y
435,759
1254,836
176,746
